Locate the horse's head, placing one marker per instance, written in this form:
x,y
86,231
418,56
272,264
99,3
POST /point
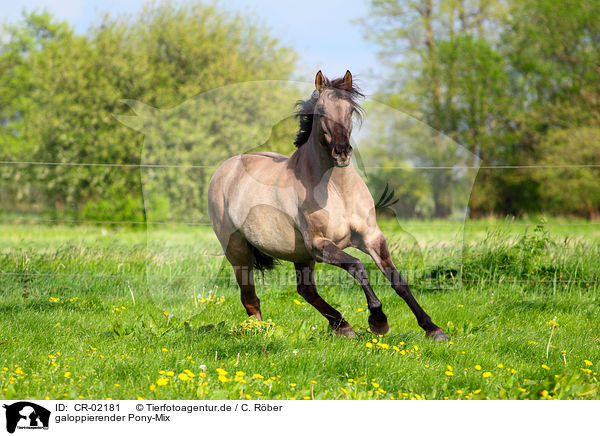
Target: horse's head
x,y
333,111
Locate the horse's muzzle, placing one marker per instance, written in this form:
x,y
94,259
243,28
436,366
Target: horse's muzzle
x,y
342,156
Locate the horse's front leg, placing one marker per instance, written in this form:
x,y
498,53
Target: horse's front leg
x,y
324,250
377,248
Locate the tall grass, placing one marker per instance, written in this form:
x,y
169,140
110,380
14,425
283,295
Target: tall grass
x,y
91,312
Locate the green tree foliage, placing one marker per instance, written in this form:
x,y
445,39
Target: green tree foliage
x,y
507,80
60,90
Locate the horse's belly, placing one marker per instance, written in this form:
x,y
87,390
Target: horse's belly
x,y
273,232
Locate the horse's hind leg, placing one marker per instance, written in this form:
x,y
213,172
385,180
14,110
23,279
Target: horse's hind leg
x,y
245,279
240,256
305,280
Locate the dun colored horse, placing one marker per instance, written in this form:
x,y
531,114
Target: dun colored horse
x,y
307,208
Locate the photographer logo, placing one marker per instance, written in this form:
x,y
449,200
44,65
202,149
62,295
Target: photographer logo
x,y
24,415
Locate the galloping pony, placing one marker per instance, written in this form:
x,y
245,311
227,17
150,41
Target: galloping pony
x,y
307,208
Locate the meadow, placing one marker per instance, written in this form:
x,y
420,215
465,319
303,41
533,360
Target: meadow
x,y
111,312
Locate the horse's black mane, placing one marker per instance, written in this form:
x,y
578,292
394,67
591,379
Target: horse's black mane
x,y
305,108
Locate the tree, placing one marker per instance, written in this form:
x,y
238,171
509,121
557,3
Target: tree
x,y
450,77
502,78
60,91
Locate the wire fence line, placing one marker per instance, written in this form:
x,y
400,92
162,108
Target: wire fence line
x,y
191,166
451,224
75,221
291,275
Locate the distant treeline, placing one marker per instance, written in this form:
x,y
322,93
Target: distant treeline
x,y
517,83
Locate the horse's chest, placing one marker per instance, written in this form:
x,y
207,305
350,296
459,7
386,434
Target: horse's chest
x,y
334,223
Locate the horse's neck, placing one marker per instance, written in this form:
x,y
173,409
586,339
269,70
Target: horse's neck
x,y
316,165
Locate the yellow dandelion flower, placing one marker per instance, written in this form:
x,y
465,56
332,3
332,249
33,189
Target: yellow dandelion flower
x,y
164,349
546,367
449,368
240,373
223,379
293,385
67,374
459,392
189,373
202,374
532,342
369,345
416,348
395,348
257,376
117,385
587,362
344,391
162,381
486,374
500,366
476,391
312,382
170,373
183,376
460,305
152,387
221,371
360,309
306,398
449,373
161,372
297,302
478,367
385,346
403,352
375,385
165,313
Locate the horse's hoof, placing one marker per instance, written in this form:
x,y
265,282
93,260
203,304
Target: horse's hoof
x,y
379,326
346,332
437,335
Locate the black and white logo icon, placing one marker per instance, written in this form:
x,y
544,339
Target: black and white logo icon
x,y
26,415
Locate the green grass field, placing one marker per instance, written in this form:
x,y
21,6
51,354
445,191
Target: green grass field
x,y
107,312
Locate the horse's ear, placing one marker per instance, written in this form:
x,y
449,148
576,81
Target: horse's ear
x,y
348,79
319,81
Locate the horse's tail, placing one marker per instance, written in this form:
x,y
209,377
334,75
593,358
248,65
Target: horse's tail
x,y
387,198
262,262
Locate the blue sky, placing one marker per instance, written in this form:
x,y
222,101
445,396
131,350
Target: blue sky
x,y
322,32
